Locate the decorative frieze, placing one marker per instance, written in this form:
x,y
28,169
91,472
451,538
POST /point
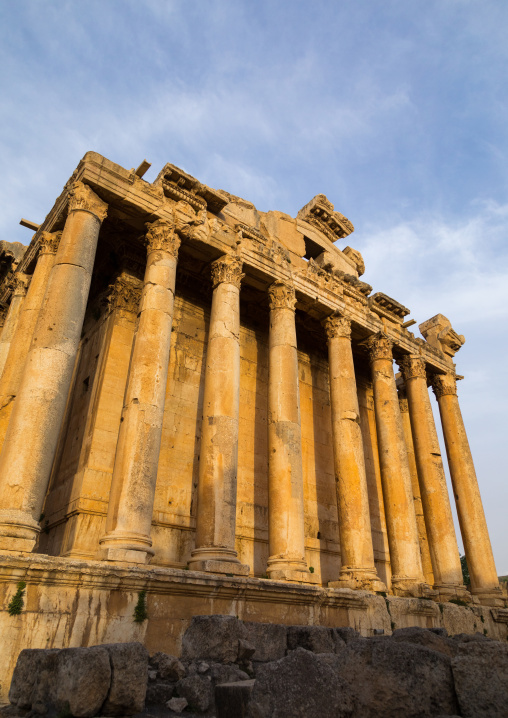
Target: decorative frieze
x,y
337,326
161,237
227,269
82,197
282,296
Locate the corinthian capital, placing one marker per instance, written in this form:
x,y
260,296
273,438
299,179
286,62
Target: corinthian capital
x,y
161,236
379,346
443,384
82,197
337,326
227,269
412,367
282,296
48,242
19,284
124,294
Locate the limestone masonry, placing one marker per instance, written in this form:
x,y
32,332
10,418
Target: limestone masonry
x,y
198,399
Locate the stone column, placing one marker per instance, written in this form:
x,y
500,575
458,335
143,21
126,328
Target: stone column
x,y
31,439
436,502
473,527
285,473
357,553
22,338
218,456
128,525
407,573
11,320
417,498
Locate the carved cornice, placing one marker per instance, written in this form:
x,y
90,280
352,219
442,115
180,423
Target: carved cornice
x,y
227,269
439,333
124,294
320,213
48,242
412,367
82,197
384,306
379,347
282,296
357,258
178,185
161,237
443,384
337,326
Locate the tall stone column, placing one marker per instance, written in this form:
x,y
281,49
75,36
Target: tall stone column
x,y
473,527
357,553
31,439
218,456
436,502
417,498
11,320
285,473
22,338
128,525
407,573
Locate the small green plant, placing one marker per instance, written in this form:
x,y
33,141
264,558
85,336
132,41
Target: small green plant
x,y
388,606
264,575
459,602
482,618
485,631
17,601
311,569
465,571
140,612
441,608
381,593
393,625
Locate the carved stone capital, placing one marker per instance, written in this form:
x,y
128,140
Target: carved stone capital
x,y
412,367
19,284
379,347
403,405
124,294
227,269
82,197
161,236
443,384
337,326
282,296
48,242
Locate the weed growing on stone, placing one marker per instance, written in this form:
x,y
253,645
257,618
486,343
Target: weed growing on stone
x,y
459,602
17,601
140,612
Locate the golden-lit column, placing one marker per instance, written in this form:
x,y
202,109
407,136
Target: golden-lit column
x,y
31,439
218,455
19,282
285,472
473,526
129,520
407,573
420,519
357,553
437,511
22,338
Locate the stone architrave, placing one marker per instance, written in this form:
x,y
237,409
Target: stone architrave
x,y
417,498
437,511
218,458
473,526
19,283
129,520
25,466
407,573
357,553
22,338
285,472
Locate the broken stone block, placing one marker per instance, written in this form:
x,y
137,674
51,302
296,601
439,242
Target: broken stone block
x,y
129,663
480,673
317,639
213,637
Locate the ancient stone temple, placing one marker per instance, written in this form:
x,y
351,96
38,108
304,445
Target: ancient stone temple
x,y
199,400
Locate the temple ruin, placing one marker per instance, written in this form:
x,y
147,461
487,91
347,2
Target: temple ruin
x,y
199,399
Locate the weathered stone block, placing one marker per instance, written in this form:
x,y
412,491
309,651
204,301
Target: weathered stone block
x,y
82,680
197,690
232,699
168,667
317,639
424,637
213,637
129,664
270,640
480,673
31,678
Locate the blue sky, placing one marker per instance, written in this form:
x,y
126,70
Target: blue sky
x,y
396,110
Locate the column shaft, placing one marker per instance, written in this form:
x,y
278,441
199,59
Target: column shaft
x,y
285,473
473,526
128,525
357,553
22,338
25,465
434,492
407,573
12,318
417,498
218,457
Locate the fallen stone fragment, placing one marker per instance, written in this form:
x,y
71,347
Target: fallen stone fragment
x,y
317,639
82,680
480,673
232,699
214,638
177,704
129,663
197,690
30,681
168,667
270,640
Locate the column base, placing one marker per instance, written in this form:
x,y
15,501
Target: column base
x,y
490,597
359,579
280,569
213,559
125,547
448,592
407,587
18,532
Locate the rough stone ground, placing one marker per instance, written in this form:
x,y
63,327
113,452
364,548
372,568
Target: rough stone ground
x,y
234,669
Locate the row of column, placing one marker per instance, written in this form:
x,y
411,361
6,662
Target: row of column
x,y
40,384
